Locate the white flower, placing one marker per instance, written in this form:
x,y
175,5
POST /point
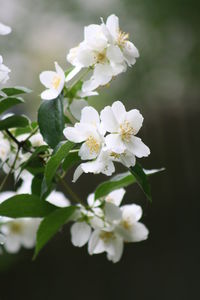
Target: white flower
x,y
129,228
95,51
4,71
123,127
4,29
106,241
37,140
53,81
117,37
4,148
19,232
103,164
88,131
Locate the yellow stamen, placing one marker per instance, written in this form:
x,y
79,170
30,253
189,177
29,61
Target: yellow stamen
x,y
93,145
126,131
122,38
56,81
16,227
106,236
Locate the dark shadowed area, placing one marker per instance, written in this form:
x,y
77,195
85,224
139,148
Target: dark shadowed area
x,y
164,85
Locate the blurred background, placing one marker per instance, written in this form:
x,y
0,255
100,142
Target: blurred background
x,y
164,85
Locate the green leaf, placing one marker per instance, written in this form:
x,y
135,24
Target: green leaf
x,y
142,180
7,103
51,224
35,164
119,181
36,185
26,205
13,122
18,90
51,121
55,161
71,160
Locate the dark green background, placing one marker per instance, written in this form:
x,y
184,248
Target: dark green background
x,y
164,85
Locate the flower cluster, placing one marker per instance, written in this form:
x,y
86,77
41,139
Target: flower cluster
x,y
106,226
71,133
107,138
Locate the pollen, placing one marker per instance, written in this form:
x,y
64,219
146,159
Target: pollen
x,y
56,81
93,145
126,131
15,227
106,236
101,57
122,38
126,224
115,155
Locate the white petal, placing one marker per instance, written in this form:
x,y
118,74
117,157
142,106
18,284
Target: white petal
x,y
95,244
137,233
130,53
75,134
86,57
46,78
85,152
89,85
114,143
119,111
59,70
49,94
116,196
114,54
135,119
12,244
137,147
73,73
5,195
109,122
77,106
4,29
112,212
118,246
112,24
94,37
77,173
90,115
80,233
58,199
103,74
131,212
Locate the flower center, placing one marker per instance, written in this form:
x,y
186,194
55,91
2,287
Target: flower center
x,y
56,81
16,227
126,224
115,155
93,145
122,38
126,131
101,57
106,236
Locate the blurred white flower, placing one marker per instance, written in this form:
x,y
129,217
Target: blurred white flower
x,y
120,39
4,148
123,127
53,81
4,71
4,29
58,199
80,233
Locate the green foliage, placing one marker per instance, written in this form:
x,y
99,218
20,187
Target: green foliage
x,y
7,103
51,224
13,122
51,121
14,91
25,205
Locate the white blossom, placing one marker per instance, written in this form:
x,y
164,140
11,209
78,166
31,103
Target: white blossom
x,y
4,71
88,131
53,81
4,148
123,126
58,199
4,29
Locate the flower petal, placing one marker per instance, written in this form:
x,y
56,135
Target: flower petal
x,y
116,196
112,24
114,143
135,119
46,78
80,233
76,107
112,212
137,147
90,115
109,122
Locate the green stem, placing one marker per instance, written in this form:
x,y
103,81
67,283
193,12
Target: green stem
x,y
71,192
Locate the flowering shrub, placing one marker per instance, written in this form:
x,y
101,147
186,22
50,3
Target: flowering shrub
x,y
71,133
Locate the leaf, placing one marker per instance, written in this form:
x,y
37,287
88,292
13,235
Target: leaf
x,y
51,224
34,164
13,122
119,181
142,180
25,205
51,121
71,160
55,161
9,102
36,185
18,90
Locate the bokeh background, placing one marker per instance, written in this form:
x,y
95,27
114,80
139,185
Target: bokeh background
x,y
164,85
